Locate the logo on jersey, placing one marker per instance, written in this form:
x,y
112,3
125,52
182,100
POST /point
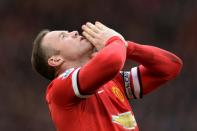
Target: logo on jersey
x,y
126,120
116,91
66,73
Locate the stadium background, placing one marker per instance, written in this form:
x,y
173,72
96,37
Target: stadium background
x,y
169,24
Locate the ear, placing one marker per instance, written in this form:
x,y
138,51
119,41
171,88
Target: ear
x,y
55,60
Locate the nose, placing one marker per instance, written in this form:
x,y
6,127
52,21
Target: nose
x,y
74,33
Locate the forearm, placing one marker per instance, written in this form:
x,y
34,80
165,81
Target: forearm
x,y
157,61
103,67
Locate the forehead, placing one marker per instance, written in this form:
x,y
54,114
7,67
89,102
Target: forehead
x,y
51,36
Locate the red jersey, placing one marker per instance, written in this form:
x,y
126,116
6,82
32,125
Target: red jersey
x,y
108,109
95,96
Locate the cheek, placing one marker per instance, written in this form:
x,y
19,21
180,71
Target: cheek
x,y
74,50
69,45
70,52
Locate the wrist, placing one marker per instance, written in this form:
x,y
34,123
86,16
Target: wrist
x,y
114,38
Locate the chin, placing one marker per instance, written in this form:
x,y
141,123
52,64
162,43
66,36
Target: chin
x,y
88,45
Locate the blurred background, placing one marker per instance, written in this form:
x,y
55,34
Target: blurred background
x,y
169,24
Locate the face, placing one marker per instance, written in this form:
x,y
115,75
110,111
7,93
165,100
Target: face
x,y
71,45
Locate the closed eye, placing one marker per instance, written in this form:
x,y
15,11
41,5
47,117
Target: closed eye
x,y
63,35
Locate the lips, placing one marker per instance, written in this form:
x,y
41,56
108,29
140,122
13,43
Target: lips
x,y
82,38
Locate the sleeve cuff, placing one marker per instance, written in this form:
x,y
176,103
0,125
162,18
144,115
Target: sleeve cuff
x,y
112,39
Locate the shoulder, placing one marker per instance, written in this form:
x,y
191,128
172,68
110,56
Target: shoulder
x,y
65,74
64,79
61,89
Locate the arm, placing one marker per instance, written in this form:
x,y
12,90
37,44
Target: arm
x,y
157,65
103,67
108,61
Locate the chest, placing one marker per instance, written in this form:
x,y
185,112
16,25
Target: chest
x,y
112,95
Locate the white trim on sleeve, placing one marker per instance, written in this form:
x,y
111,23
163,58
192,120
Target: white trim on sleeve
x,y
75,85
136,82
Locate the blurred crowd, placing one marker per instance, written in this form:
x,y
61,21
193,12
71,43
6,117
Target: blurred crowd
x,y
169,24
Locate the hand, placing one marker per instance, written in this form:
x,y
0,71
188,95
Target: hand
x,y
98,34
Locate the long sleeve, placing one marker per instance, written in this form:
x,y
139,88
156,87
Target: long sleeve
x,y
157,66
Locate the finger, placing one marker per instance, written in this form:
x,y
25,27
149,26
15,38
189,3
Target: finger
x,y
88,37
92,27
100,25
89,31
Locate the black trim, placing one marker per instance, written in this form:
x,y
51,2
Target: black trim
x,y
122,74
140,81
132,91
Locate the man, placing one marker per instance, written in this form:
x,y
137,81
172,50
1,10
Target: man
x,y
89,92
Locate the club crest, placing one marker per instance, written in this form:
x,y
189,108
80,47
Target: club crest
x,y
116,91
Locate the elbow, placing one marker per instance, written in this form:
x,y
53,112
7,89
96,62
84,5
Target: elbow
x,y
174,69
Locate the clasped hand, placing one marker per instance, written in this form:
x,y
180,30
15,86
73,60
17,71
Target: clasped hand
x,y
98,34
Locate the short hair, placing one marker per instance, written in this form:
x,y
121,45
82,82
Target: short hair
x,y
39,58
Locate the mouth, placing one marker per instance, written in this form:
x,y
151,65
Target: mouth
x,y
82,38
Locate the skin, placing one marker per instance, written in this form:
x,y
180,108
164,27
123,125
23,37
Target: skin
x,y
76,50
